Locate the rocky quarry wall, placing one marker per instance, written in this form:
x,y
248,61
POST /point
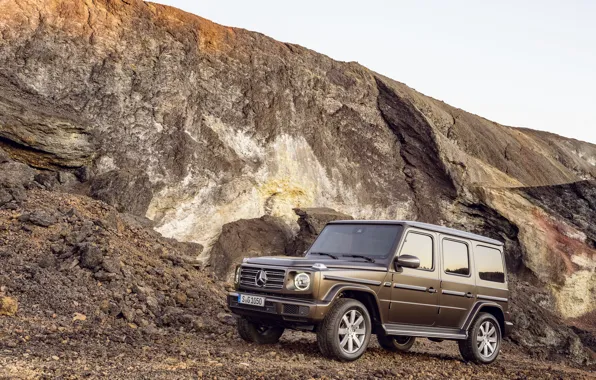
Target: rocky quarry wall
x,y
196,126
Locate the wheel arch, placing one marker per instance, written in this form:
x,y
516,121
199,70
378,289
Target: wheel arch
x,y
363,294
487,307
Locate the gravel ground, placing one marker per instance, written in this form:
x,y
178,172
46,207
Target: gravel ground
x,y
102,297
224,356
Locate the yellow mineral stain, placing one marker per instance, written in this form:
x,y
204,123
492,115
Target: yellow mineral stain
x,y
280,195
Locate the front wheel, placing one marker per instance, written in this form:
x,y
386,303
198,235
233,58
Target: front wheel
x,y
345,332
260,334
484,340
396,343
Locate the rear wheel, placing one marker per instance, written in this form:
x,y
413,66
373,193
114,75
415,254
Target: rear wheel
x,y
261,334
345,332
396,343
484,340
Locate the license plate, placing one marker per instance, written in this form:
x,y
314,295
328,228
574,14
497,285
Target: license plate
x,y
251,300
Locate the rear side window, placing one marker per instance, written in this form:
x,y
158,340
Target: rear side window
x,y
489,264
456,257
421,246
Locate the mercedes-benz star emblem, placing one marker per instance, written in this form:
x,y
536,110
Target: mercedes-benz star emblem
x,y
261,278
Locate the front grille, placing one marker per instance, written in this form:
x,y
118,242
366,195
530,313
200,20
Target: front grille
x,y
275,277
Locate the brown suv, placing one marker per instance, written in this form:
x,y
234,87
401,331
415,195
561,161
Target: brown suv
x,y
396,279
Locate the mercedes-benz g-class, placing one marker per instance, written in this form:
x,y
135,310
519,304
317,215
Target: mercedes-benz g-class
x,y
398,280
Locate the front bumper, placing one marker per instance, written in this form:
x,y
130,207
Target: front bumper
x,y
284,309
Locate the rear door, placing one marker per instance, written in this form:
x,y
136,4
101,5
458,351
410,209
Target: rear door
x,y
458,286
414,293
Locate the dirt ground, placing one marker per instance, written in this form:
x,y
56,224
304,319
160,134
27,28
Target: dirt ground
x,y
173,355
101,296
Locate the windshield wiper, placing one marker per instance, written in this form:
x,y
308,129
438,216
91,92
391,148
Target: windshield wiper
x,y
369,259
323,254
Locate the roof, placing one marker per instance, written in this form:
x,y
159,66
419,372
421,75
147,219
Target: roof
x,y
425,226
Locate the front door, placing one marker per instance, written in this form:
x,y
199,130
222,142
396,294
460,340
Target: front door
x,y
414,293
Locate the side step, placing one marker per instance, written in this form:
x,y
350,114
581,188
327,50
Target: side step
x,y
424,331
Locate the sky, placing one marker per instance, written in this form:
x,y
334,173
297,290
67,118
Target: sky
x,y
520,63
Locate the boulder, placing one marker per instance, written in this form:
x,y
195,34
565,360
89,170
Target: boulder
x,y
91,256
15,174
264,236
38,218
11,197
47,179
311,222
127,190
14,178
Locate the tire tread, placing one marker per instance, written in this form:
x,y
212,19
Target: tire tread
x,y
467,346
326,333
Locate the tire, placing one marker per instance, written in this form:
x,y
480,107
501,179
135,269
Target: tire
x,y
254,333
396,343
483,343
353,331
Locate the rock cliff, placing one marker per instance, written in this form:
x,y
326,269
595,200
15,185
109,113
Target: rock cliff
x,y
194,125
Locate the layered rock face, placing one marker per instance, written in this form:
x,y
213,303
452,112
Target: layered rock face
x,y
194,125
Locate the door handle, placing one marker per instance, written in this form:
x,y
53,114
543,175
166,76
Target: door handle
x,y
469,295
431,290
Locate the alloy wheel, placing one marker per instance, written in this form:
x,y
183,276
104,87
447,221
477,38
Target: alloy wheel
x,y
352,331
487,339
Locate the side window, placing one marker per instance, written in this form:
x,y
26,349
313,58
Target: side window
x,y
421,246
489,264
456,257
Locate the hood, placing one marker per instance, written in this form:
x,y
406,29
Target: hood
x,y
307,262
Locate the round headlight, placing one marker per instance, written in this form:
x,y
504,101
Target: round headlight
x,y
237,275
302,281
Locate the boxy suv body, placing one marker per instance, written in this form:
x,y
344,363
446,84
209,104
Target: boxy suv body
x,y
396,279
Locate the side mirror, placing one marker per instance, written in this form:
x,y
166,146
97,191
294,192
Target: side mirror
x,y
407,261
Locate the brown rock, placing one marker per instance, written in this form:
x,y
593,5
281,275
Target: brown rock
x,y
128,313
39,218
128,190
111,265
265,236
226,318
91,256
8,306
180,298
47,261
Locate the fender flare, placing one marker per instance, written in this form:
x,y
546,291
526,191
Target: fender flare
x,y
478,306
340,288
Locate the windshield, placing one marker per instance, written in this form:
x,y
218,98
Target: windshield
x,y
372,240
